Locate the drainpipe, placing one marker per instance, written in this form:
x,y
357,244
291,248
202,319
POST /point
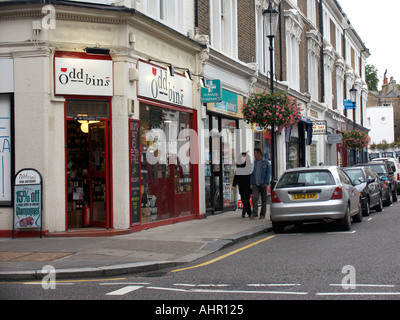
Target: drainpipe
x,y
321,30
196,14
280,42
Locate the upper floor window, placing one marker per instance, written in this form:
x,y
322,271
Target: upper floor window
x,y
170,12
327,27
294,28
311,11
224,26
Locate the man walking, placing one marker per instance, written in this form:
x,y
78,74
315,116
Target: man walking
x,y
259,180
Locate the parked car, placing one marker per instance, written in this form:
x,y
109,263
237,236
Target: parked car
x,y
315,194
385,173
367,183
394,163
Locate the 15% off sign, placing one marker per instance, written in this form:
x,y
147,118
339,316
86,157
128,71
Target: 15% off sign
x,y
28,200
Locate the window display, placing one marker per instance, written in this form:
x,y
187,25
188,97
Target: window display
x,y
166,183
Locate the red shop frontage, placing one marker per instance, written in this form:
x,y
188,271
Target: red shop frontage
x,y
167,187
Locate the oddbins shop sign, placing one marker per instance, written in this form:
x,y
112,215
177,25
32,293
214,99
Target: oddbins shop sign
x,y
87,77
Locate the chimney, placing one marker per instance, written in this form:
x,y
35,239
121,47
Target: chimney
x,y
392,86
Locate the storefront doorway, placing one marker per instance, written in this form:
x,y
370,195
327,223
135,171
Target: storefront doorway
x,y
220,163
88,164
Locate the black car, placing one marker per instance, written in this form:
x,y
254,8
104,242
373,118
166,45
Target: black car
x,y
367,183
386,174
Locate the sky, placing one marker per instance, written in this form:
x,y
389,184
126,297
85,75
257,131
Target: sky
x,y
377,24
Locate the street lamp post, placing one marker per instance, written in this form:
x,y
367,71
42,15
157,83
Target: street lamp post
x,y
271,17
353,98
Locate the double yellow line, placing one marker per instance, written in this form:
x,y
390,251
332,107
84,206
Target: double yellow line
x,y
223,256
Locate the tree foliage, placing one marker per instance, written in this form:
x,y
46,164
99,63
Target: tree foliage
x,y
371,76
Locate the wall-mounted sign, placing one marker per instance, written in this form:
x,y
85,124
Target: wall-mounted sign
x,y
83,77
135,175
231,105
334,138
212,92
155,83
28,200
257,129
348,105
319,127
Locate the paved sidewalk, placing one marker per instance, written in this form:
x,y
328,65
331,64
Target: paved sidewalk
x,y
153,249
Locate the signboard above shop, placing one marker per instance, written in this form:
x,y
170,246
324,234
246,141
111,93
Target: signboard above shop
x,y
231,104
212,92
155,83
86,77
319,128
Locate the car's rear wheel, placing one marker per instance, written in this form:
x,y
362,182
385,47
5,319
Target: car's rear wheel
x,y
345,223
379,207
358,217
367,210
389,198
279,227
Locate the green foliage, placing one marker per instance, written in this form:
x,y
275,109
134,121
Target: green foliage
x,y
277,109
371,77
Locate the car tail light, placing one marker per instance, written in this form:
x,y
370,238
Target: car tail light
x,y
275,198
398,177
337,194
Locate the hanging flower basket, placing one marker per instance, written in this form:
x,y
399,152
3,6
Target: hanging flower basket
x,y
356,139
278,109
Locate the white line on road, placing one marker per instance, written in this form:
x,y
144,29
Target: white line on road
x,y
273,285
122,291
358,293
123,283
365,285
227,291
200,285
345,232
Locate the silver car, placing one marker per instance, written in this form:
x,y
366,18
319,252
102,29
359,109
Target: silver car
x,y
315,194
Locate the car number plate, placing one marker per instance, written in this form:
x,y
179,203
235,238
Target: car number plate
x,y
304,196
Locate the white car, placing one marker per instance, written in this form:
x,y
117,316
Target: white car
x,y
315,194
395,165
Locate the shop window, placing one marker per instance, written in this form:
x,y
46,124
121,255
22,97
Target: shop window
x,y
166,182
7,152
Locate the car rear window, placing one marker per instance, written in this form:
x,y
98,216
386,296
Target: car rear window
x,y
306,178
380,169
355,174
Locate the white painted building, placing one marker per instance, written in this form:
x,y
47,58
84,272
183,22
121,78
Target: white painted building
x,y
380,121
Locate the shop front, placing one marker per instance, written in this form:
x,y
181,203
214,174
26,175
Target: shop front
x,y
168,186
86,83
222,122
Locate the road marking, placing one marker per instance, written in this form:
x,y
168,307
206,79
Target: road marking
x,y
200,285
366,285
273,285
227,291
40,283
224,256
123,291
358,293
123,283
66,281
343,232
369,219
